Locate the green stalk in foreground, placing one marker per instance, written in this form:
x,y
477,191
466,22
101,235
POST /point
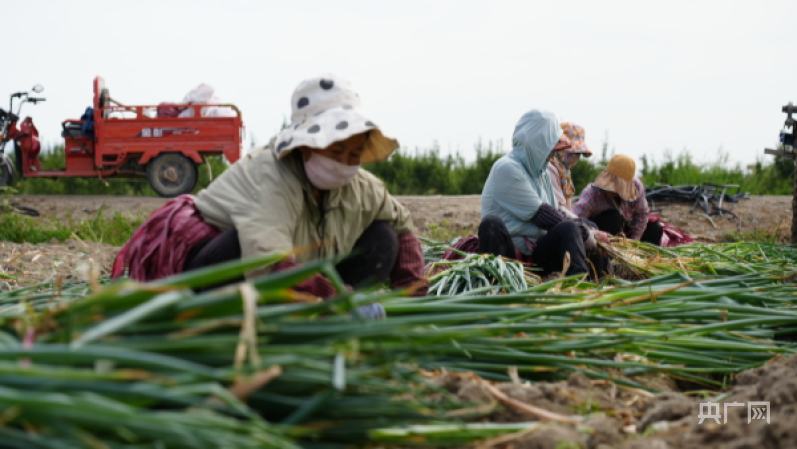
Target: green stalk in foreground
x,y
238,364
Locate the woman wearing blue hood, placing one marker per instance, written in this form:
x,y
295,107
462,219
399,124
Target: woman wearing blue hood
x,y
519,210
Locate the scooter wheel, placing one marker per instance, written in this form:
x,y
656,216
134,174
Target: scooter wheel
x,y
6,177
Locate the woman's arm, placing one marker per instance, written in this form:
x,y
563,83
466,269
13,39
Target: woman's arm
x,y
588,203
640,213
408,270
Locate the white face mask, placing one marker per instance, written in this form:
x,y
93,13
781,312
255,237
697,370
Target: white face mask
x,y
326,174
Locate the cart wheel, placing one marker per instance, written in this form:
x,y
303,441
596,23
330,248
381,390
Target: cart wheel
x,y
172,174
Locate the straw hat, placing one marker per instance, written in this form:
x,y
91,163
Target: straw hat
x,y
618,177
325,110
576,135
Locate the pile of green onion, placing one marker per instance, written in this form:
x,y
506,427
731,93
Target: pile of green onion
x,y
129,365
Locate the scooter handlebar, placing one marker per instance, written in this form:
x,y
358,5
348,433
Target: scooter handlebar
x,y
34,100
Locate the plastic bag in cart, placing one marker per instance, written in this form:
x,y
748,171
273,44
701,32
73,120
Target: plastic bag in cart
x,y
204,94
217,111
201,94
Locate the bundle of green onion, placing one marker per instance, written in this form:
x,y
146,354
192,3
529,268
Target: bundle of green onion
x,y
646,260
487,273
433,251
156,365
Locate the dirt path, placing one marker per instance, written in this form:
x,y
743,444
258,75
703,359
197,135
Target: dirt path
x,y
436,217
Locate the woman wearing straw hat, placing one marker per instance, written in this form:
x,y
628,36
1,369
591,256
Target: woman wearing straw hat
x,y
616,202
562,163
304,190
520,217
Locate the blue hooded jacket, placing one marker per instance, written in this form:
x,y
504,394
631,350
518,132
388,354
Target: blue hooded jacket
x,y
518,183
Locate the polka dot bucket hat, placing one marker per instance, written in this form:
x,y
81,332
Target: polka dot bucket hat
x,y
326,110
576,135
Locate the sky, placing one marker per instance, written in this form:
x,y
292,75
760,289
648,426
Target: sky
x,y
705,76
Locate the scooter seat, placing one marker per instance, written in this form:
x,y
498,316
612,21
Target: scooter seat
x,y
73,130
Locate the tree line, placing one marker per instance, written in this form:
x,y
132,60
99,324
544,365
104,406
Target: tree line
x,y
430,172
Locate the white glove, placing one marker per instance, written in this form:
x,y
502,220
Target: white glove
x,y
570,215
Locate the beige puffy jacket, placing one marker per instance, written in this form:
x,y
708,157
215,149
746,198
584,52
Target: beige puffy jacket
x,y
269,202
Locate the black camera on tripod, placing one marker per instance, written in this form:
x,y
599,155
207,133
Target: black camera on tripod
x,y
787,134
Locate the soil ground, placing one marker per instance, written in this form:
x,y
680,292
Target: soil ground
x,y
436,217
460,214
629,417
24,264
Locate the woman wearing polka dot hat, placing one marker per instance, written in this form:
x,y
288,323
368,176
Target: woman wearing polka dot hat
x,y
616,202
304,190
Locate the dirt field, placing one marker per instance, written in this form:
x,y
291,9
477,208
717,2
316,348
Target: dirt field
x,y
460,214
25,264
438,217
637,420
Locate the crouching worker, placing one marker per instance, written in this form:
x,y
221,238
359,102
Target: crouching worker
x,y
616,203
306,189
519,209
561,164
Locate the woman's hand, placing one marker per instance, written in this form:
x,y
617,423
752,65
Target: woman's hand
x,y
568,213
601,236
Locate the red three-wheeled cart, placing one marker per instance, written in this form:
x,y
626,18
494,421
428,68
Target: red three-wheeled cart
x,y
113,140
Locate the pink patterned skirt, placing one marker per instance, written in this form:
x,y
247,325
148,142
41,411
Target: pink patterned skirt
x,y
161,244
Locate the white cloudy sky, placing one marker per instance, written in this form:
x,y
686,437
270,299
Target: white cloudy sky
x,y
700,75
